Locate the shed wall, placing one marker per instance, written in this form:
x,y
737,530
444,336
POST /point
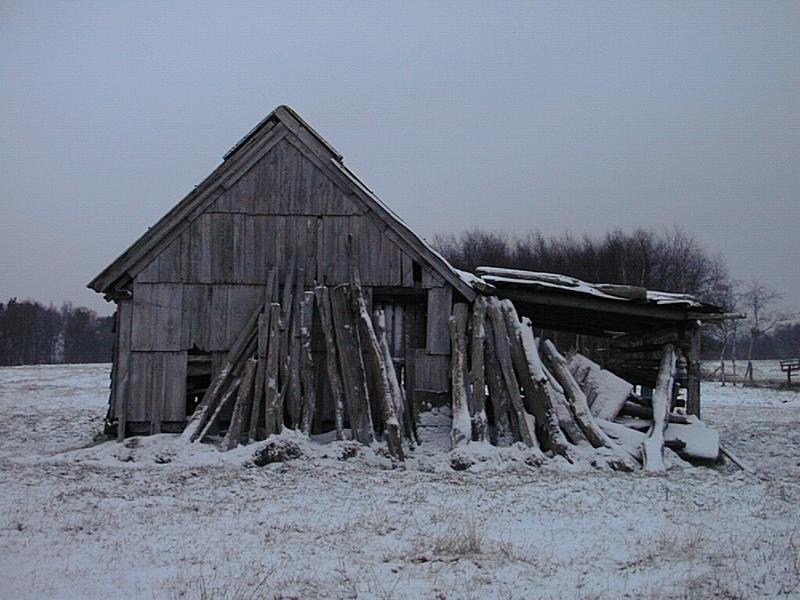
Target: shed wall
x,y
198,291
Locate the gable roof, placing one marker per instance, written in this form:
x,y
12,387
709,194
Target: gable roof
x,y
281,123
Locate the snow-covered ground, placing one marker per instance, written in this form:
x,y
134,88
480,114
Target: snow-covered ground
x,y
85,518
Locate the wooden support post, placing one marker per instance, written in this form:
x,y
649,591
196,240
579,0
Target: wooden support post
x,y
693,372
351,362
240,409
461,431
331,359
477,376
653,446
575,398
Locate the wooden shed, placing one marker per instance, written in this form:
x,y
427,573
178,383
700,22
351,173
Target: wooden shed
x,y
281,202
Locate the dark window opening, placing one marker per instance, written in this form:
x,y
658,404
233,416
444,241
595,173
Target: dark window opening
x,y
198,378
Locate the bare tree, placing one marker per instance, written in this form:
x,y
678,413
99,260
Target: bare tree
x,y
760,300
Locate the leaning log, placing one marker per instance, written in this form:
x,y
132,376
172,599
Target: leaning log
x,y
273,409
379,367
234,436
294,399
331,360
525,422
256,412
379,320
653,446
351,362
534,382
461,430
575,397
243,345
477,378
564,417
306,366
498,394
223,403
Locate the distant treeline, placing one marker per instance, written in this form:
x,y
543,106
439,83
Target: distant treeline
x,y
31,333
670,261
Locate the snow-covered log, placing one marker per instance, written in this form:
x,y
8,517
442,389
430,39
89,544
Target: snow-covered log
x,y
477,376
605,392
653,446
533,380
374,355
379,318
306,366
498,394
523,421
575,397
561,410
461,431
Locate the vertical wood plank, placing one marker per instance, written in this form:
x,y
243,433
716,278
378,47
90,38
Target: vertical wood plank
x,y
122,365
437,332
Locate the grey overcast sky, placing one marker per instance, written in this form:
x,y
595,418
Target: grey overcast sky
x,y
510,116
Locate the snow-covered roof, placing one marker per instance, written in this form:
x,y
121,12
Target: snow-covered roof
x,y
554,282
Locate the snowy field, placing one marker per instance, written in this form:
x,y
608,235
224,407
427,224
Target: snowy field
x,y
83,518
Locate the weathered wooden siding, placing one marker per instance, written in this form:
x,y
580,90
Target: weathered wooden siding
x,y
199,290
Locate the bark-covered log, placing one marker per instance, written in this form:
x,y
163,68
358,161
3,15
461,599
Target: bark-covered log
x,y
256,411
376,357
461,431
498,394
294,399
273,409
477,376
653,446
561,410
234,436
306,366
351,362
534,382
576,398
331,358
525,423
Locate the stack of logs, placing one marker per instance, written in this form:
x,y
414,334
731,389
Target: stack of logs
x,y
266,382
267,377
536,402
